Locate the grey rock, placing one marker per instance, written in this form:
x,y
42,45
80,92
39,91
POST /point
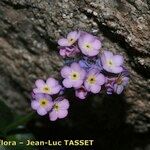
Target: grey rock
x,y
29,30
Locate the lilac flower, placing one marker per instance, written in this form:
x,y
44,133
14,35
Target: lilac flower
x,y
109,85
94,81
117,84
74,75
112,63
59,110
62,91
42,103
68,51
50,87
81,92
72,37
120,83
90,63
98,64
87,63
33,95
83,73
89,44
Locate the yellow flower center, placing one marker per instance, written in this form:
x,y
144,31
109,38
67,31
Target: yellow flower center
x,y
74,75
46,89
71,40
56,107
88,46
91,80
43,102
110,63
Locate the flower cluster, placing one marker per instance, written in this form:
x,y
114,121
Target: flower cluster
x,y
87,70
43,101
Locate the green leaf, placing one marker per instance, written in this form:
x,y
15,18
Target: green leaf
x,y
10,121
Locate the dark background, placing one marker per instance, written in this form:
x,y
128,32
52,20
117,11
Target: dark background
x,y
29,30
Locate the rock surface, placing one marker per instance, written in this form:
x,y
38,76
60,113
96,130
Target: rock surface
x,y
29,30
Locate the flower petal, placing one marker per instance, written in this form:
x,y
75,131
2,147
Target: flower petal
x,y
56,89
75,66
93,52
82,74
64,104
108,69
118,60
108,54
65,71
117,69
39,96
53,115
49,106
87,37
62,113
39,83
73,35
51,82
118,88
81,95
93,72
83,64
67,83
100,79
35,105
48,97
62,52
95,88
36,90
63,42
125,81
103,59
41,111
96,44
77,83
84,39
87,86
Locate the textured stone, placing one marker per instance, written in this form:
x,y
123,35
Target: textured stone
x,y
29,30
